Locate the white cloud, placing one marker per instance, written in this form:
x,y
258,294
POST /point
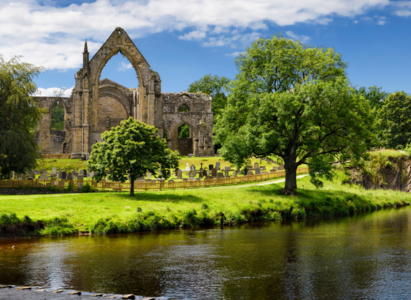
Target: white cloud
x,y
124,66
53,92
355,22
243,39
193,35
53,36
403,13
235,54
301,38
381,20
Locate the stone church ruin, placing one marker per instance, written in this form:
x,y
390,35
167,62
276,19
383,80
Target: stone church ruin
x,y
97,105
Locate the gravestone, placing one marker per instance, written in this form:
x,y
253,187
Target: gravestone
x,y
209,177
192,174
179,174
210,167
273,169
200,174
24,177
53,176
80,177
44,171
37,172
150,175
43,177
59,174
257,171
217,165
214,172
84,172
235,174
69,176
204,172
190,155
29,178
193,168
227,171
63,175
31,174
171,181
250,173
54,170
262,168
220,175
281,168
256,165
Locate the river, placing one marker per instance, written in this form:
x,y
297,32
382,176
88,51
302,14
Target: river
x,y
363,256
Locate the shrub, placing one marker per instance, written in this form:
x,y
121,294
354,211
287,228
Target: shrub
x,y
86,188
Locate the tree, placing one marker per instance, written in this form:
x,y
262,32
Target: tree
x,y
394,120
373,94
214,86
131,150
19,115
293,101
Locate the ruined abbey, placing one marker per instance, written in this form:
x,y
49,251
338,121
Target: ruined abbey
x,y
97,105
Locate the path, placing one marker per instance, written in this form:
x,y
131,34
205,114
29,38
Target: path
x,y
271,182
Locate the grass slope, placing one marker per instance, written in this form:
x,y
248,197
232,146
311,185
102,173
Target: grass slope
x,y
103,213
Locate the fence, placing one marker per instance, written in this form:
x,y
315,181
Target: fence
x,y
143,185
55,156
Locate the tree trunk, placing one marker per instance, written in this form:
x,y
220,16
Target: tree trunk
x,y
290,173
131,185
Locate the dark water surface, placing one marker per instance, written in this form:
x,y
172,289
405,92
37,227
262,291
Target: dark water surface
x,y
365,256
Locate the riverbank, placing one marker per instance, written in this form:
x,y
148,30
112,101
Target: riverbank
x,y
106,213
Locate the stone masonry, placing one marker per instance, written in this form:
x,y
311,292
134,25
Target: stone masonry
x,y
97,105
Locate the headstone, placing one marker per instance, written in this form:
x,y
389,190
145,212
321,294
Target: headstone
x,y
220,175
281,168
256,165
193,168
43,177
210,167
37,172
179,174
187,168
190,155
29,178
209,177
226,171
171,181
257,171
24,177
73,172
262,168
200,174
53,176
175,171
192,174
31,174
273,169
44,171
214,172
197,178
59,174
80,177
148,180
69,176
54,170
150,175
204,172
217,165
250,173
63,175
84,172
201,164
235,174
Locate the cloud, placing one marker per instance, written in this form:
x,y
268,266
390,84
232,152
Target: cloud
x,y
243,39
193,35
53,92
381,20
52,36
403,13
301,38
235,54
124,66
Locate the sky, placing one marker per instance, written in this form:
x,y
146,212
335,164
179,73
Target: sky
x,y
183,40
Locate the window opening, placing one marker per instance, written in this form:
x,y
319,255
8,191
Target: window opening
x,y
57,117
183,132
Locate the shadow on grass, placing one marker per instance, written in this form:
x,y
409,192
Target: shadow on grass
x,y
162,197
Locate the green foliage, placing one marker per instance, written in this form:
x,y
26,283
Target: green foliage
x,y
394,120
293,101
19,114
57,117
216,87
131,149
184,108
373,94
86,188
183,132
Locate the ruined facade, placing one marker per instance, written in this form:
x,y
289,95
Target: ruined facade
x,y
97,105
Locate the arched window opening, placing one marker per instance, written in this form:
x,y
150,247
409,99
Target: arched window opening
x,y
184,132
164,134
184,108
57,117
120,70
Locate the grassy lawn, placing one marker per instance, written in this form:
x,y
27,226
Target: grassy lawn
x,y
118,212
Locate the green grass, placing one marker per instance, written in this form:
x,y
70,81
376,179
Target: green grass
x,y
386,153
103,213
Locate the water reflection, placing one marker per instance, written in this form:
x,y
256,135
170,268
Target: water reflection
x,y
357,257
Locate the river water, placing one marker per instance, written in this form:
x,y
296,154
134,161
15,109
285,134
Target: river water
x,y
366,256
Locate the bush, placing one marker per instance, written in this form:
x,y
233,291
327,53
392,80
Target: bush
x,y
86,188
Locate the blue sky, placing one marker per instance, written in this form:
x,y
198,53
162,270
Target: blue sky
x,y
185,39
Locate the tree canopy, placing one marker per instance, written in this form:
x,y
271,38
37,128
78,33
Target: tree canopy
x,y
293,101
214,86
394,121
57,117
129,151
375,95
19,115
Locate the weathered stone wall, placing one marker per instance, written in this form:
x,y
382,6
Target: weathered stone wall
x,y
54,141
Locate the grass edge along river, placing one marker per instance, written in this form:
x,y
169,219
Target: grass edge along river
x,y
106,213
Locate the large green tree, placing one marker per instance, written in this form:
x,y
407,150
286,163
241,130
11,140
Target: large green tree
x,y
214,86
19,115
129,151
375,95
394,120
293,101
